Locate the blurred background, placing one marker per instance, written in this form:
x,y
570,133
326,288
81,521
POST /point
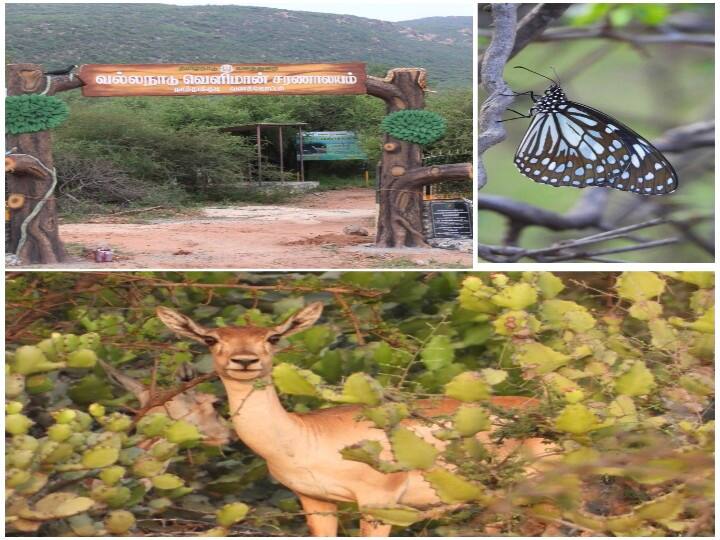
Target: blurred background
x,y
651,87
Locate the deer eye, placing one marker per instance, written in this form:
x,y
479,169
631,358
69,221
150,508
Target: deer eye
x,y
274,338
209,341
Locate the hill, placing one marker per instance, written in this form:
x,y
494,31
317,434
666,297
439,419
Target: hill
x,y
449,30
58,35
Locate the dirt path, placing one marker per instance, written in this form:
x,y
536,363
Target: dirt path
x,y
306,233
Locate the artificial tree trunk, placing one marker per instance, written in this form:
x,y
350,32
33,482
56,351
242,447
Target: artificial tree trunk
x,y
29,166
402,176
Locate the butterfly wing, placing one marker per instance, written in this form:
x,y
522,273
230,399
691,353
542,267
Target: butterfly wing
x,y
579,146
648,172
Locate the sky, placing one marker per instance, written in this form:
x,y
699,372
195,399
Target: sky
x,y
385,10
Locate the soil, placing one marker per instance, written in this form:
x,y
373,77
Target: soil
x,y
306,233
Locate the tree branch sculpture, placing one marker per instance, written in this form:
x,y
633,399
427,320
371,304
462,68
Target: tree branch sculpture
x,y
402,175
29,170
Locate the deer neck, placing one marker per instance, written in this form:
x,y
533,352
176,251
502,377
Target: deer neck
x,y
260,420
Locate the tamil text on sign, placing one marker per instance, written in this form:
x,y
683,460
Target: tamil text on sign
x,y
108,80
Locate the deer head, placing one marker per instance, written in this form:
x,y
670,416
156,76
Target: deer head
x,y
241,353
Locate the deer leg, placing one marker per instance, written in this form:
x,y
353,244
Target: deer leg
x,y
372,527
321,516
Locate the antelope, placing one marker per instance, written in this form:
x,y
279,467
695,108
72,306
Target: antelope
x,y
302,451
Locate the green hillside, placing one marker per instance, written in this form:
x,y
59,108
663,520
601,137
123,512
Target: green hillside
x,y
58,35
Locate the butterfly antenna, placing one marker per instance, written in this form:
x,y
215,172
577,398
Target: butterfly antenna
x,y
556,75
539,74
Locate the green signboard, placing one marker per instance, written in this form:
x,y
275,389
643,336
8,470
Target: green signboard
x,y
330,145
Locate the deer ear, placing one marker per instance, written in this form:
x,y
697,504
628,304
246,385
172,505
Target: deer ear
x,y
303,319
182,325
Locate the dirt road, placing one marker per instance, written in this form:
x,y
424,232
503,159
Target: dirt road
x,y
304,234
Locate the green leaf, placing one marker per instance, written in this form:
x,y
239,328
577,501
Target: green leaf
x,y
667,506
412,452
703,280
646,310
468,386
516,323
698,384
365,452
637,381
623,408
317,338
663,336
518,296
450,487
232,513
181,431
569,390
119,522
362,388
167,481
292,380
401,516
540,358
469,419
387,415
637,286
438,353
549,284
561,315
99,457
82,358
494,376
576,419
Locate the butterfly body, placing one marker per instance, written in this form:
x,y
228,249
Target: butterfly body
x,y
571,144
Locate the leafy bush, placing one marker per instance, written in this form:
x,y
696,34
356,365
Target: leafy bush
x,y
622,366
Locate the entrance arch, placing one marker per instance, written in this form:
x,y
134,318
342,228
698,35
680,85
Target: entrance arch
x,y
34,236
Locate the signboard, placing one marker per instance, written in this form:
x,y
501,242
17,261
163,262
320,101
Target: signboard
x,y
451,219
330,145
110,80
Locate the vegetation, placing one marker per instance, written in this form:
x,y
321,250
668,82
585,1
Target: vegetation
x,y
622,365
58,36
162,151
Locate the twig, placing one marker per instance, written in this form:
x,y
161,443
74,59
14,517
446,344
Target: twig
x,y
351,316
664,36
160,398
158,282
135,210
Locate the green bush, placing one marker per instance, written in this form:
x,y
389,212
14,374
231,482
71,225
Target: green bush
x,y
622,366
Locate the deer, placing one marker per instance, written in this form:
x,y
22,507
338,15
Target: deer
x,y
302,451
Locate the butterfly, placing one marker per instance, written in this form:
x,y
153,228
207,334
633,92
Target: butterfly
x,y
571,144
